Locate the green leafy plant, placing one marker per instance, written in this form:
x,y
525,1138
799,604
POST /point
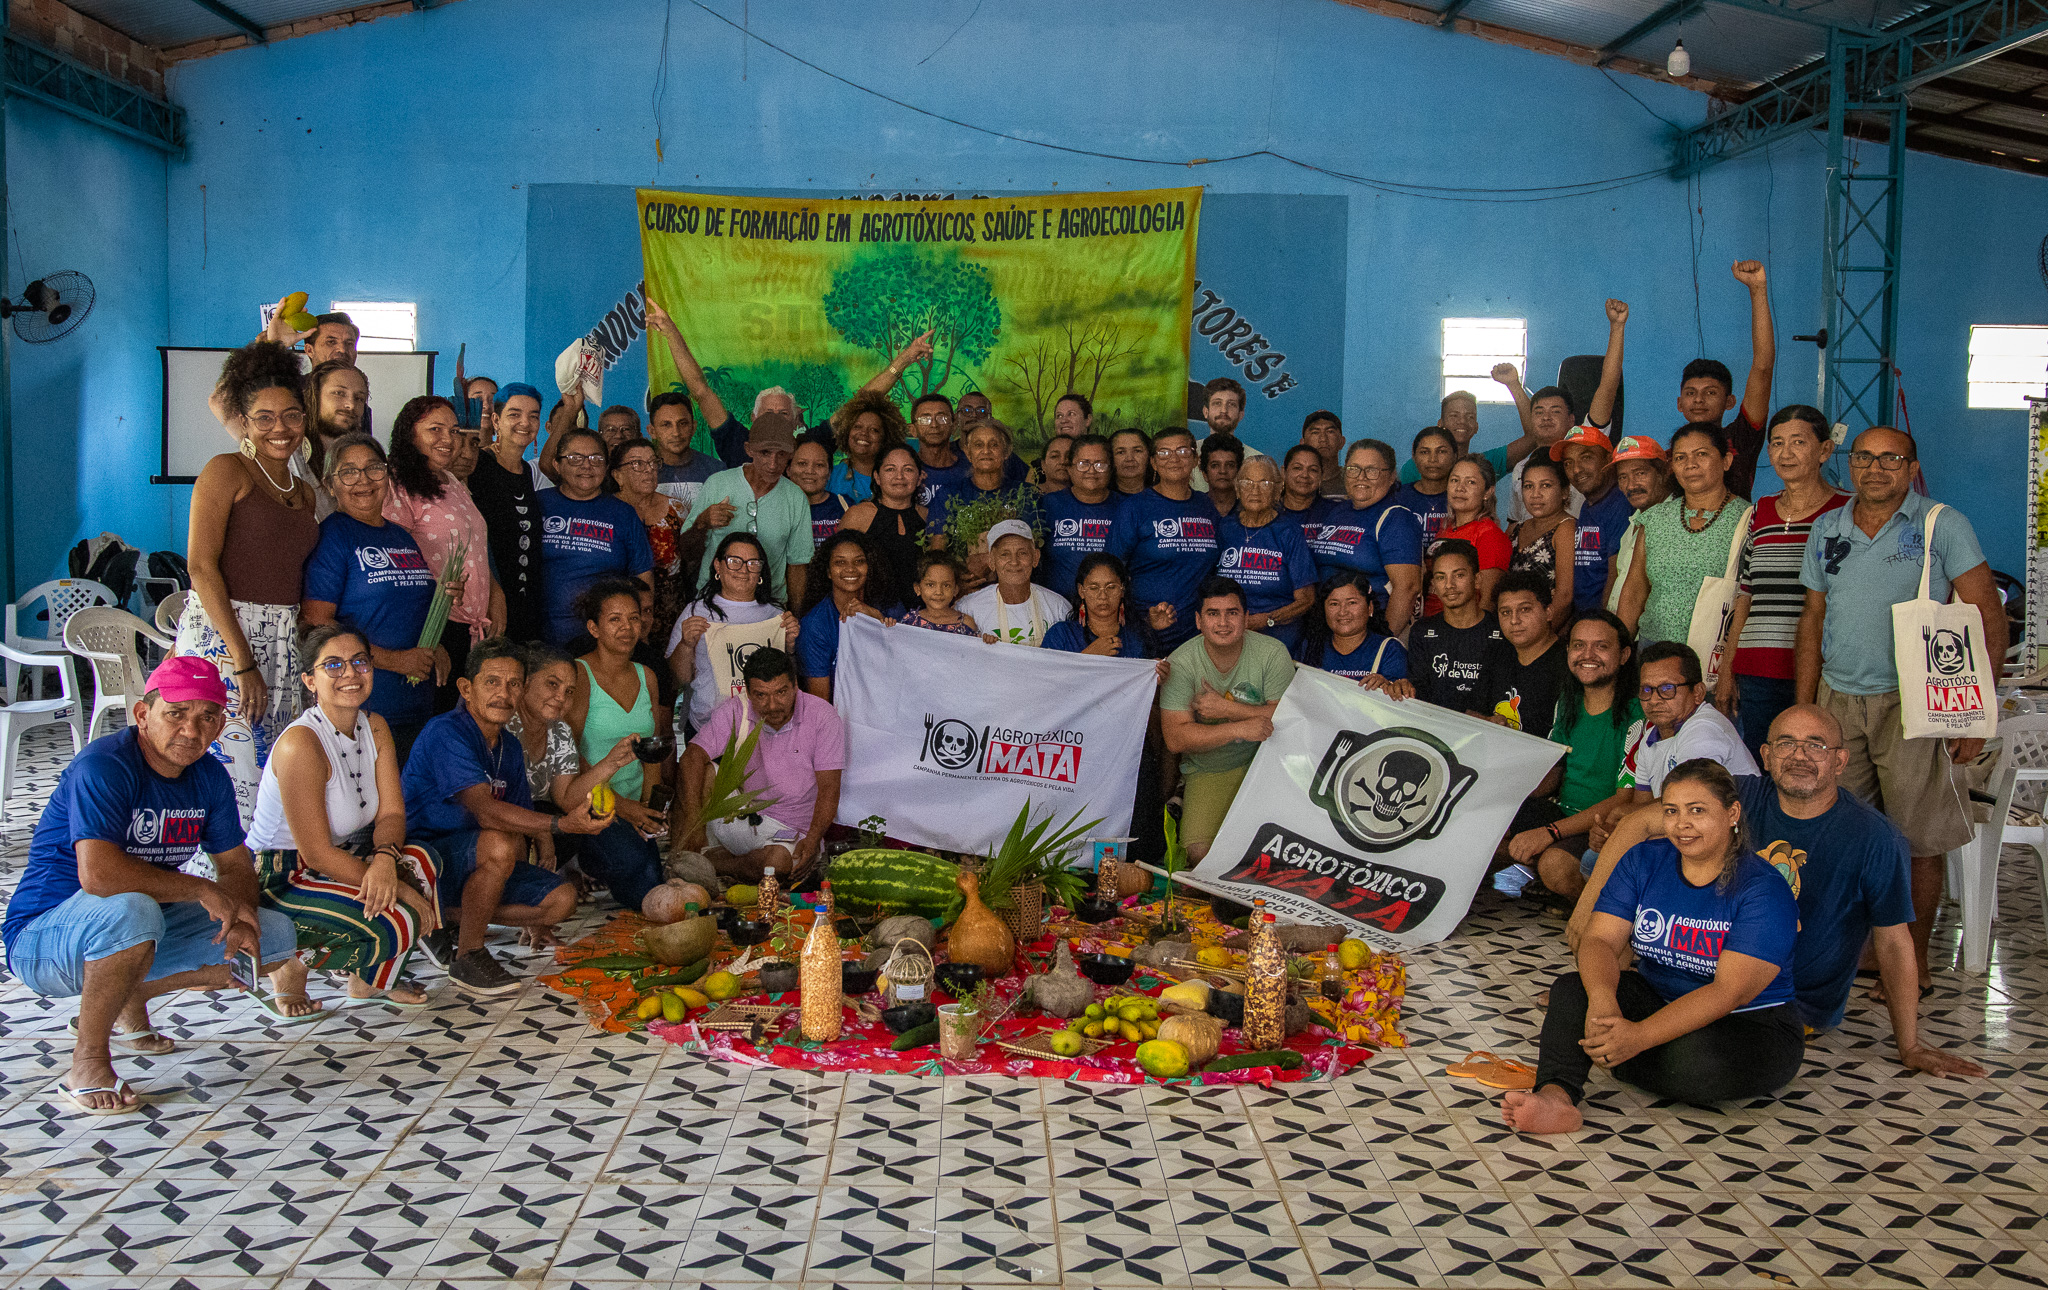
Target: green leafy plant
x,y
1035,853
874,831
1174,861
980,1001
728,800
966,522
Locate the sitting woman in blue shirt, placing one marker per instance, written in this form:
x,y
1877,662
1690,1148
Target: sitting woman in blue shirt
x,y
844,591
1706,1016
1340,639
1100,623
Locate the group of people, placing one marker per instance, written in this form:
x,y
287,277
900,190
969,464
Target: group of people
x,y
609,595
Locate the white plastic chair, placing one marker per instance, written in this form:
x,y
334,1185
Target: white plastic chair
x,y
169,610
63,598
28,713
1973,868
105,637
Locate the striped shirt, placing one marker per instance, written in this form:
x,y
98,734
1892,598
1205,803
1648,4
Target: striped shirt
x,y
1769,576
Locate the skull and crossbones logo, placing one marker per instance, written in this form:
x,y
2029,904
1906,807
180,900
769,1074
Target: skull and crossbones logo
x,y
953,744
1389,788
1945,653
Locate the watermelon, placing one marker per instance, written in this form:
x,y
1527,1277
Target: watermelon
x,y
900,882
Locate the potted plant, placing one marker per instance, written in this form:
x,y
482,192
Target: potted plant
x,y
1030,865
960,1023
1172,927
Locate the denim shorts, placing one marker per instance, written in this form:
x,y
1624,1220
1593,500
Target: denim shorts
x,y
529,884
50,954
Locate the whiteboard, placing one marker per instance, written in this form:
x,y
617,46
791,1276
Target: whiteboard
x,y
192,436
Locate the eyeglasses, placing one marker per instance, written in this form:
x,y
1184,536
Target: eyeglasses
x,y
334,667
1365,472
754,516
1173,452
935,420
356,474
1665,691
1785,745
738,562
1090,467
268,421
1246,485
582,459
1883,460
638,467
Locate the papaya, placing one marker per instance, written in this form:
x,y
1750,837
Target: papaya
x,y
602,800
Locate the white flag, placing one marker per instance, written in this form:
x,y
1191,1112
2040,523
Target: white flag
x,y
947,738
1376,814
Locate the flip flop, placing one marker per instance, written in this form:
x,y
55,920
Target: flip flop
x,y
128,1041
387,1001
77,1096
271,1005
1494,1072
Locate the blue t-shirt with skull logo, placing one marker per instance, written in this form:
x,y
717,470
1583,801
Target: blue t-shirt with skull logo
x,y
1271,563
581,542
109,793
1169,546
1864,575
1680,931
1074,530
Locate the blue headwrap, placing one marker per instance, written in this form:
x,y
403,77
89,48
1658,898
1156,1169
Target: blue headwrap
x,y
517,387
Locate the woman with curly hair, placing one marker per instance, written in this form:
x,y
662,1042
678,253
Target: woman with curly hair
x,y
868,426
427,501
252,528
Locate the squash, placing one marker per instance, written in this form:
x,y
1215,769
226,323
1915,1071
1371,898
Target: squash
x,y
670,903
979,936
1201,1035
693,892
1190,995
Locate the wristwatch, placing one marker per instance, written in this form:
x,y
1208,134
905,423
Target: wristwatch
x,y
1269,622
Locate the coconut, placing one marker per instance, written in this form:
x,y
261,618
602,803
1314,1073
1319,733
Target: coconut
x,y
670,903
693,892
691,866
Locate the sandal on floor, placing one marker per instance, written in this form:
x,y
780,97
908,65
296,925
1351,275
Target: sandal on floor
x,y
1494,1072
387,1001
131,1041
274,1005
77,1096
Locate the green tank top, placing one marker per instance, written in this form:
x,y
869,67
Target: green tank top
x,y
1678,560
606,723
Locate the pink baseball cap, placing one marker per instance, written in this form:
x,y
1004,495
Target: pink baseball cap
x,y
185,678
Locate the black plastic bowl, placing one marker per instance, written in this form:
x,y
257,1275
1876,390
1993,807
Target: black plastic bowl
x,y
1096,909
908,1016
1106,969
958,979
746,932
728,918
855,979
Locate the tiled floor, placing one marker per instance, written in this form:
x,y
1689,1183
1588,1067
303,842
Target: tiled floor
x,y
506,1144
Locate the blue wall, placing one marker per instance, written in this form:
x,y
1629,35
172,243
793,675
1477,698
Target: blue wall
x,y
405,176
87,408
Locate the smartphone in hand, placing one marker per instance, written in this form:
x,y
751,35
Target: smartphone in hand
x,y
242,968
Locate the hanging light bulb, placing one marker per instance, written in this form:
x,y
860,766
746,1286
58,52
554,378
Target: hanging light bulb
x,y
1679,63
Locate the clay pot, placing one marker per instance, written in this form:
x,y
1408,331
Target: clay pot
x,y
778,977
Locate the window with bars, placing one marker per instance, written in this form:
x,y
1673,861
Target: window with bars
x,y
2006,365
1474,346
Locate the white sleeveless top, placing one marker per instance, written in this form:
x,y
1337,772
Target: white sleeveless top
x,y
351,786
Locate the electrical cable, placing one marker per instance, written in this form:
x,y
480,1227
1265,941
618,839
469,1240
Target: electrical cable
x,y
1395,187
661,78
949,37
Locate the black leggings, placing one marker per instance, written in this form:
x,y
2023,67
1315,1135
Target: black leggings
x,y
1743,1055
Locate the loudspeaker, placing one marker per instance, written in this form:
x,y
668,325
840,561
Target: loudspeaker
x,y
1578,376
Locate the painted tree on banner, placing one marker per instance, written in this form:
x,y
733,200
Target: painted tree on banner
x,y
889,297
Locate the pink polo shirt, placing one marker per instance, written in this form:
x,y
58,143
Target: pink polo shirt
x,y
786,761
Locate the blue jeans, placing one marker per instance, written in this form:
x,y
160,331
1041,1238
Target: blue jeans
x,y
50,954
1759,701
619,858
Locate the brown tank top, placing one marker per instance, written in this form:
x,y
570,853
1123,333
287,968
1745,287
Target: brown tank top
x,y
263,558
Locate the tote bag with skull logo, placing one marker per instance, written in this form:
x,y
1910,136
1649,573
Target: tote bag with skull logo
x,y
1948,683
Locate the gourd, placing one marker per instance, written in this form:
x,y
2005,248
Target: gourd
x,y
901,882
681,943
979,936
1202,1036
1060,990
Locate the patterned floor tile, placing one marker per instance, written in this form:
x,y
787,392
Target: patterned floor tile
x,y
1107,1260
861,1255
978,1259
1355,1260
1234,1258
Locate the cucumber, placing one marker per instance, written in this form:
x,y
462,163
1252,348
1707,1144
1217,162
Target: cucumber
x,y
900,882
1285,1058
681,976
615,963
916,1037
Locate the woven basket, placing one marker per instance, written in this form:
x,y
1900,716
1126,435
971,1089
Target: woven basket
x,y
1025,914
910,965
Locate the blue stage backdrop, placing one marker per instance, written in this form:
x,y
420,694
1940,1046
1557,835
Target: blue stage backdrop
x,y
1271,269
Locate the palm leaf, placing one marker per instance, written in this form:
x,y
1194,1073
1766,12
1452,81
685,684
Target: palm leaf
x,y
728,799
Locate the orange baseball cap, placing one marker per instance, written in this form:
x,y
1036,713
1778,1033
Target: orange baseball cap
x,y
1586,436
1638,447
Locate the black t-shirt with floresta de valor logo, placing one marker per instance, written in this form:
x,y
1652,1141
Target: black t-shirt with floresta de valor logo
x,y
1446,663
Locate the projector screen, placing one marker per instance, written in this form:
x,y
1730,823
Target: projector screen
x,y
192,437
